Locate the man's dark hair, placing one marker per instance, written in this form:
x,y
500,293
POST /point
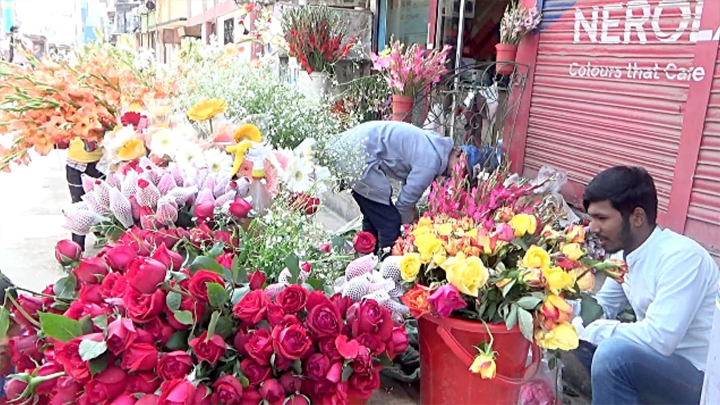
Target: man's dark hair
x,y
626,188
5,283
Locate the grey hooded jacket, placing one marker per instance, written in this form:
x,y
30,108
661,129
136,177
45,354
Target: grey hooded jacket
x,y
392,150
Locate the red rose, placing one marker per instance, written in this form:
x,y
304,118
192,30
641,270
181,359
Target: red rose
x,y
343,303
91,294
106,385
317,366
227,239
291,342
241,338
66,391
168,237
363,384
362,362
80,309
113,286
273,392
31,305
369,317
298,399
198,284
177,364
120,335
293,299
291,383
23,350
14,390
329,348
67,252
172,260
145,382
325,247
275,315
143,308
254,371
124,399
177,392
227,390
145,274
68,354
398,343
240,208
160,330
251,397
260,346
326,391
120,257
186,304
204,211
45,370
257,279
140,357
323,318
364,243
144,336
203,395
150,399
209,350
91,269
372,342
252,307
225,260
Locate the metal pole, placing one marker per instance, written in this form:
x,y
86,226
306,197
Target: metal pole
x,y
458,60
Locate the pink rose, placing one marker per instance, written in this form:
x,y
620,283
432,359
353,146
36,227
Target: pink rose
x,y
240,340
140,357
225,260
252,307
25,351
372,342
145,382
505,232
91,269
91,294
291,383
209,350
325,247
120,335
204,211
329,348
160,330
240,208
257,279
363,384
171,259
323,318
275,315
291,342
203,396
68,354
150,399
124,399
364,243
260,346
145,274
177,392
227,390
14,390
293,299
317,366
255,372
143,308
446,299
107,385
250,397
66,391
67,252
120,257
107,288
398,343
173,365
272,391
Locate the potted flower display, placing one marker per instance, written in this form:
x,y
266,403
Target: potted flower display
x,y
517,22
409,71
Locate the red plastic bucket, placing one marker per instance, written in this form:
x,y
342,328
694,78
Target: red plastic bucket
x,y
447,351
402,108
505,53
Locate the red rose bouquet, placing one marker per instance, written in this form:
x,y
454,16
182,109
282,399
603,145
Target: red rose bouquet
x,y
148,321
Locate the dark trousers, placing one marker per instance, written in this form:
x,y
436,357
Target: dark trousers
x,y
381,220
76,190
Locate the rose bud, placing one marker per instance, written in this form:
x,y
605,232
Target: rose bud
x,y
240,208
273,392
120,257
227,390
171,259
14,389
398,343
124,399
204,211
121,334
67,252
140,357
91,269
325,247
257,279
145,274
31,306
177,364
47,369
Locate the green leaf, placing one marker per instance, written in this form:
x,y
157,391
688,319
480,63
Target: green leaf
x,y
316,284
66,286
178,340
217,294
338,242
297,366
508,287
521,243
512,318
307,287
384,360
101,321
173,300
86,324
292,262
177,276
590,310
206,263
60,327
213,324
240,275
184,317
529,302
4,322
347,372
99,364
224,327
526,323
239,293
217,250
90,349
244,381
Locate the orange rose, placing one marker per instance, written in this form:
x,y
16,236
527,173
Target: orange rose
x,y
417,301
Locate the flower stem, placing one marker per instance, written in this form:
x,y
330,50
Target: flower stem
x,y
23,312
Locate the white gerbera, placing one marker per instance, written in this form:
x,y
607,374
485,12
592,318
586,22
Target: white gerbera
x,y
218,161
164,143
189,154
297,175
114,143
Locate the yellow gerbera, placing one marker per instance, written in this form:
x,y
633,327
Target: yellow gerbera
x,y
207,109
249,132
132,149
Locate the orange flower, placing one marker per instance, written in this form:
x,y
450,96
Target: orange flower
x,y
576,234
417,301
249,132
131,150
555,310
207,109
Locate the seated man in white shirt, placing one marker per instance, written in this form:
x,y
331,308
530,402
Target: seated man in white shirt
x,y
671,285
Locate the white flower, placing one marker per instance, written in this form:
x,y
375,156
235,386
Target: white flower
x,y
164,143
297,175
114,143
189,154
218,161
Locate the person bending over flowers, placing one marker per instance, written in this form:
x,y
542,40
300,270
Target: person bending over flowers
x,y
400,151
671,285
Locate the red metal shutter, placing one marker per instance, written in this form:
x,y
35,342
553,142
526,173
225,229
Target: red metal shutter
x,y
586,124
703,219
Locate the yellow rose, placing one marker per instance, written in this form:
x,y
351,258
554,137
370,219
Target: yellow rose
x,y
562,337
585,279
444,229
523,224
467,274
439,258
576,234
207,109
473,233
410,266
427,245
573,251
425,221
536,257
132,149
484,365
558,279
549,233
421,230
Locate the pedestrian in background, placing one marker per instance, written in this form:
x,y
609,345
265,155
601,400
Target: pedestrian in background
x,y
83,158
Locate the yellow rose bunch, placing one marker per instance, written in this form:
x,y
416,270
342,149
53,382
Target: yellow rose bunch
x,y
427,245
573,251
524,224
467,274
558,279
